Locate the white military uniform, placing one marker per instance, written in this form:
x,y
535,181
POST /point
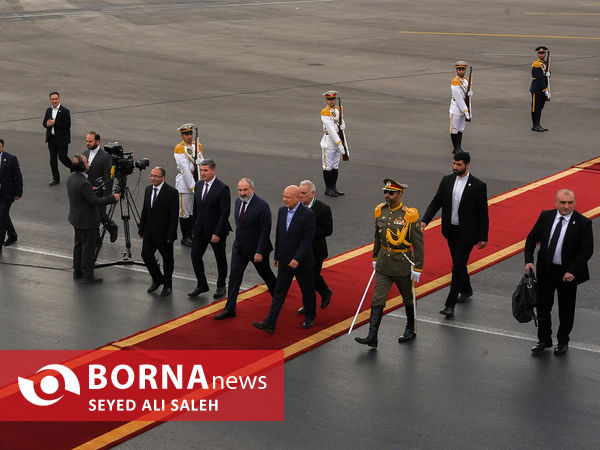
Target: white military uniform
x,y
458,107
332,148
184,181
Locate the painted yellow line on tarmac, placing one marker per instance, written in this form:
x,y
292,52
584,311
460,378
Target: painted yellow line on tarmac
x,y
536,36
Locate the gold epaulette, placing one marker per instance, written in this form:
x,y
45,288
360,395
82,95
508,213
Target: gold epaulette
x,y
455,81
411,215
179,148
537,64
378,209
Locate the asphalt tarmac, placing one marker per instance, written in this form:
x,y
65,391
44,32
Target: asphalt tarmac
x,y
250,75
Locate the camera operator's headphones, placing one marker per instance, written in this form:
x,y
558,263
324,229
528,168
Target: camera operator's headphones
x,y
80,166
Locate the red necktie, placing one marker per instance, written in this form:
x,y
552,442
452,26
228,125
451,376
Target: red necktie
x,y
242,211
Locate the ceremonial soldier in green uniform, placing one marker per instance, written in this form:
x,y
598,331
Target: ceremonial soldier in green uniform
x,y
398,245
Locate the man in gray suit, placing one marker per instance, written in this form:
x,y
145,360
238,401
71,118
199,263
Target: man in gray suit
x,y
83,215
99,174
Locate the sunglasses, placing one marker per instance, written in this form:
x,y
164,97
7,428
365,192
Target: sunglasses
x,y
389,192
187,132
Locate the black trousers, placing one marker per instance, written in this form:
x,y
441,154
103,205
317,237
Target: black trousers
x,y
460,250
549,282
149,248
239,263
5,223
57,151
83,252
320,284
538,100
306,281
199,245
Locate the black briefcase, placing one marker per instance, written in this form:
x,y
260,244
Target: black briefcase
x,y
524,299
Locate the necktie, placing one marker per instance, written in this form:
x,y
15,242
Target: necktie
x,y
243,210
205,192
554,241
154,197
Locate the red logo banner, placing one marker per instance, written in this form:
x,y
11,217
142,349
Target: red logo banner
x,y
130,385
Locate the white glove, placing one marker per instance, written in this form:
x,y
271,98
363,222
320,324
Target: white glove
x,y
374,264
199,160
467,115
548,74
415,275
470,93
341,147
547,94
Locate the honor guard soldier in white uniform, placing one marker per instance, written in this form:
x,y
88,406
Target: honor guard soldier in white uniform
x,y
398,255
540,87
332,147
459,111
188,155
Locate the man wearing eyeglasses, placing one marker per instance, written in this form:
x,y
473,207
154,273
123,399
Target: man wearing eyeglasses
x,y
398,254
158,229
540,90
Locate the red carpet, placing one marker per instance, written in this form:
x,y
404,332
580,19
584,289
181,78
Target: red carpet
x,y
511,216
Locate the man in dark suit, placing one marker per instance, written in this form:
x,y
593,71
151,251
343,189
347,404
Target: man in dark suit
x,y
83,215
212,205
158,229
11,189
293,257
99,174
566,245
252,243
465,223
324,220
57,122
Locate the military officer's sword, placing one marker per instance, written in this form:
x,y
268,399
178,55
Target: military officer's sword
x,y
412,265
361,302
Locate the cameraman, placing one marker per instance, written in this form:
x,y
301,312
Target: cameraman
x,y
99,173
83,215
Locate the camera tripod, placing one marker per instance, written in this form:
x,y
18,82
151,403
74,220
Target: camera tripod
x,y
128,210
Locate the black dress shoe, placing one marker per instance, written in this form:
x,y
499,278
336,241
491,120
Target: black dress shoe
x,y
301,310
537,128
224,315
543,129
409,335
199,290
540,346
326,299
220,292
560,349
166,290
186,241
10,240
264,327
335,189
113,230
447,311
76,275
308,324
54,183
154,286
330,192
463,297
91,280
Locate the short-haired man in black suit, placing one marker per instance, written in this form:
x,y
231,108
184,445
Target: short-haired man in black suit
x,y
252,243
212,204
324,220
293,257
99,174
57,122
566,245
465,223
83,215
158,229
11,189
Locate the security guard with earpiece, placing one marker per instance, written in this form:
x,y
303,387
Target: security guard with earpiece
x,y
398,254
